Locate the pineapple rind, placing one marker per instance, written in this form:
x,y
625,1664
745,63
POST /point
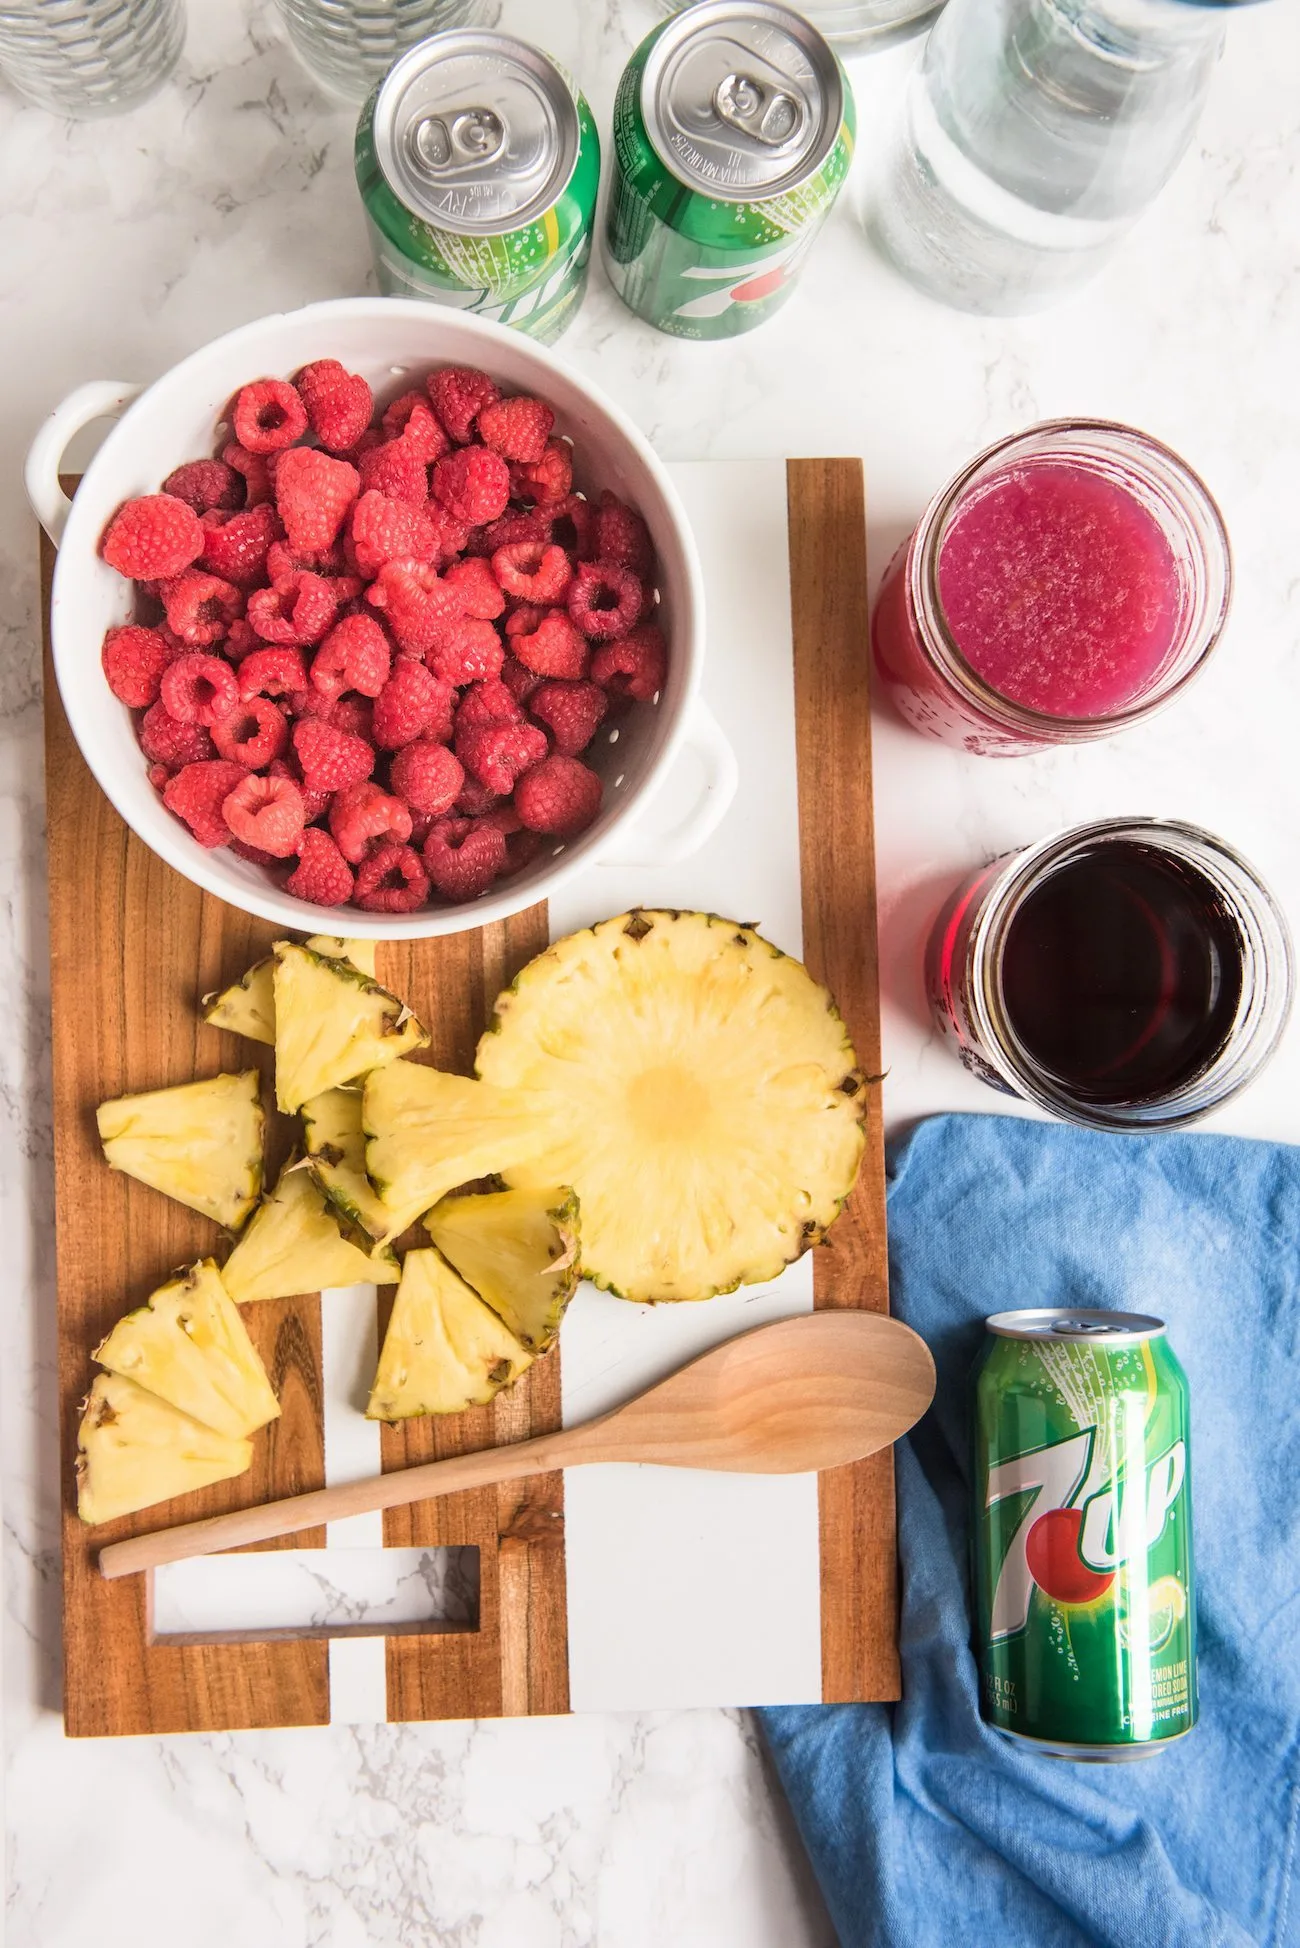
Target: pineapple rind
x,y
134,1450
200,1143
519,1250
188,1345
248,1006
293,1245
444,1350
336,1148
713,1108
428,1133
333,1024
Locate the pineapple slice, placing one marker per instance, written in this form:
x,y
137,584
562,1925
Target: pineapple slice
x,y
444,1349
200,1143
519,1251
134,1449
336,1146
248,1008
189,1346
428,1133
332,1024
712,1110
294,1244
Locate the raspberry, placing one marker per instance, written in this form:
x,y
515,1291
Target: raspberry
x,y
604,600
397,470
201,607
463,856
314,803
354,656
476,800
459,392
330,759
411,701
199,689
254,854
524,618
620,535
473,485
267,813
410,419
256,474
197,793
268,416
383,530
134,659
419,608
511,527
496,754
158,774
559,795
322,874
546,480
392,880
470,651
356,715
338,403
553,648
570,524
477,587
517,428
535,571
253,734
282,561
521,683
571,712
427,777
241,640
275,672
205,484
313,495
165,740
156,535
298,610
635,666
453,535
362,813
488,702
236,547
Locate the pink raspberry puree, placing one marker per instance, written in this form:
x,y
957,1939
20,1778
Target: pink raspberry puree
x,y
1060,589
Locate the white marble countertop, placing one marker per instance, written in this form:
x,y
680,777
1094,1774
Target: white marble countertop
x,y
123,245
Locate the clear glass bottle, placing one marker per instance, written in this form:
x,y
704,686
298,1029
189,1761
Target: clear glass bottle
x,y
89,57
864,25
1034,133
349,45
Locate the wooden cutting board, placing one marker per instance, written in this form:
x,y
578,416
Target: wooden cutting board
x,y
132,947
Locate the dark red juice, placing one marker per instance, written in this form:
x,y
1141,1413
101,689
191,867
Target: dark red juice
x,y
1122,973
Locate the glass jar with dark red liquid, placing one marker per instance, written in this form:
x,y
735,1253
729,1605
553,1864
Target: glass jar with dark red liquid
x,y
1131,974
1069,582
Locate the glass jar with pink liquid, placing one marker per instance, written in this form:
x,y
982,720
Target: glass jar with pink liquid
x,y
1068,582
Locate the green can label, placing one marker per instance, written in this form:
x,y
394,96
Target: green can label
x,y
697,265
1083,1556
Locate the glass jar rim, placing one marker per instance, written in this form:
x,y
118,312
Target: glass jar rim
x,y
1186,1104
932,624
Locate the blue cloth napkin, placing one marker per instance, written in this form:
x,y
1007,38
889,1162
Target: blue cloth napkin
x,y
926,1829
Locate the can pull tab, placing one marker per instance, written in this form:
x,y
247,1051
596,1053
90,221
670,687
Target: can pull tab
x,y
445,147
771,115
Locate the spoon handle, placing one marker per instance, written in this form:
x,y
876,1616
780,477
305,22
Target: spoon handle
x,y
321,1505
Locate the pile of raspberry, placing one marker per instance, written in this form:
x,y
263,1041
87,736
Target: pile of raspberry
x,y
369,656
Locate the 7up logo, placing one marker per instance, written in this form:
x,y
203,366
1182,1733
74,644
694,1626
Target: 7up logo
x,y
1075,1531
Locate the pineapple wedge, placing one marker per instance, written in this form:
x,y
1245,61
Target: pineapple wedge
x,y
427,1133
519,1251
200,1143
444,1349
332,1024
189,1346
248,1007
294,1244
134,1449
710,1111
336,1146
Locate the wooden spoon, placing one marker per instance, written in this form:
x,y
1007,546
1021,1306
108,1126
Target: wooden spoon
x,y
802,1394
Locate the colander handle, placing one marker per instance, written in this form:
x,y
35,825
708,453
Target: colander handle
x,y
101,399
712,747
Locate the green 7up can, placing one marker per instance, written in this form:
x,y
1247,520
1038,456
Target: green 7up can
x,y
1086,1607
733,130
